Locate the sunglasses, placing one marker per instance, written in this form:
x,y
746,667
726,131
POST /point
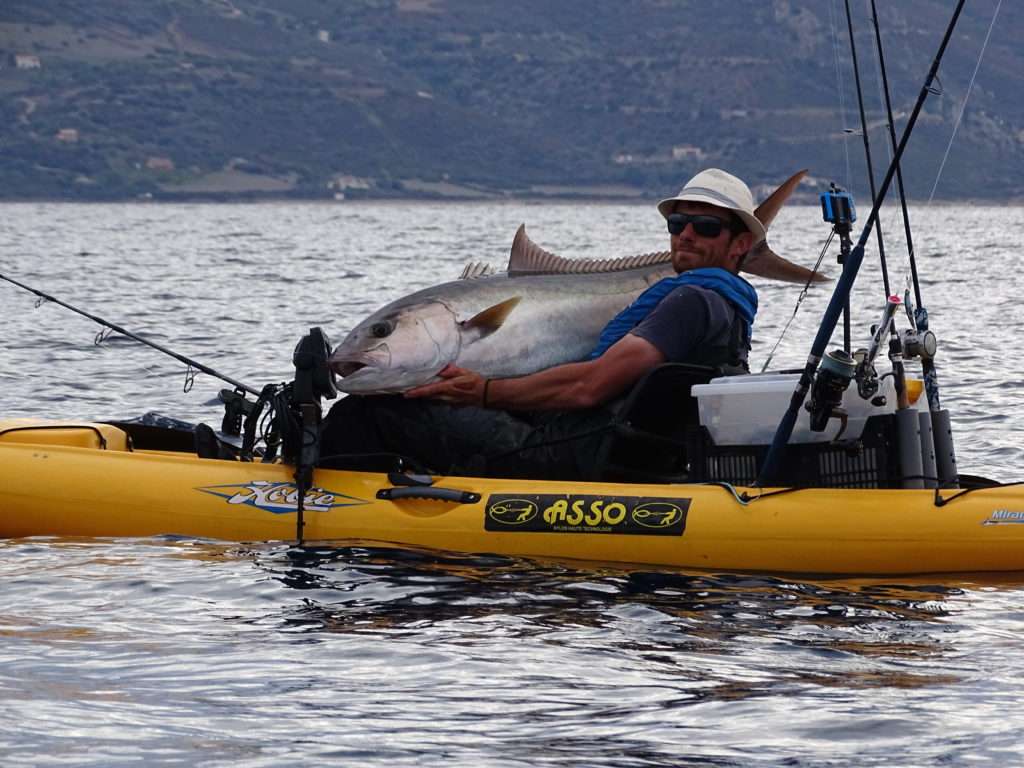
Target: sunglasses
x,y
703,225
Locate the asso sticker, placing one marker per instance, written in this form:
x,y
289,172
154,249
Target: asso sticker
x,y
281,498
578,513
1005,517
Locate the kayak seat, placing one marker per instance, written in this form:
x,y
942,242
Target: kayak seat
x,y
646,441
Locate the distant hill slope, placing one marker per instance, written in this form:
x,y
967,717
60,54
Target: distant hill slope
x,y
315,98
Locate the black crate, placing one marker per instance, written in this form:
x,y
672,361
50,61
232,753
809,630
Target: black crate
x,y
870,461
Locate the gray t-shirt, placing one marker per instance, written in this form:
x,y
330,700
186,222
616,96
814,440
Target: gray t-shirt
x,y
687,323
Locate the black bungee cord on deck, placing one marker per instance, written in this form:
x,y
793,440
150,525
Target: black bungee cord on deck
x,y
841,294
193,365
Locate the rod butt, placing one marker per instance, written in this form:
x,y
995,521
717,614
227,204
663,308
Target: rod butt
x,y
908,428
945,457
931,472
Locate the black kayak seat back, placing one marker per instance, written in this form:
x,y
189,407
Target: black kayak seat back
x,y
646,441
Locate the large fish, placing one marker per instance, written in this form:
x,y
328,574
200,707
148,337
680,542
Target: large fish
x,y
542,311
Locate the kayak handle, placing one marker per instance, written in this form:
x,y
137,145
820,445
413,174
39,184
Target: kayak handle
x,y
428,492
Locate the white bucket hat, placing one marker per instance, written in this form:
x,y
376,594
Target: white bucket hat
x,y
716,187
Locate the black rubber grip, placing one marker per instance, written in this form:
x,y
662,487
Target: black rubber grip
x,y
428,492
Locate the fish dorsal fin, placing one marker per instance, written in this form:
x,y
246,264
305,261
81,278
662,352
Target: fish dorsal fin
x,y
528,258
476,269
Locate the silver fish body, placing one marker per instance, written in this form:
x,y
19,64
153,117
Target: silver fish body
x,y
499,326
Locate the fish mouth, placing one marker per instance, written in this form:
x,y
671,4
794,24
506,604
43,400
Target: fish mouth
x,y
346,362
346,367
370,380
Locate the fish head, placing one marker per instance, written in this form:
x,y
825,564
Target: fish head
x,y
397,348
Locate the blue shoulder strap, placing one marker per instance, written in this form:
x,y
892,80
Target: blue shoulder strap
x,y
730,287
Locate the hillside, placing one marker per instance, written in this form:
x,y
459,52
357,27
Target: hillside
x,y
316,98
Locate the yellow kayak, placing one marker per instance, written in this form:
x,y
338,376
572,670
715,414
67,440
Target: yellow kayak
x,y
85,479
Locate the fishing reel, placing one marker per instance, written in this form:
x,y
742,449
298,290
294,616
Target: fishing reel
x,y
834,375
293,423
918,344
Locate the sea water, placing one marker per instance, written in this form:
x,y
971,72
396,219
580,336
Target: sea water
x,y
171,651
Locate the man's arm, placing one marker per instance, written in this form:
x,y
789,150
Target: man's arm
x,y
564,387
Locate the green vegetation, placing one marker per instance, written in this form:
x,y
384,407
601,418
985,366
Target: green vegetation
x,y
174,98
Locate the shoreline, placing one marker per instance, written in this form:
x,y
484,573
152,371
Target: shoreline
x,y
638,199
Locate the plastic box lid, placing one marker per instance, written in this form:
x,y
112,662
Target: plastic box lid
x,y
746,410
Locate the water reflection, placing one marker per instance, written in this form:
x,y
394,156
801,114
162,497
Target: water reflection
x,y
362,590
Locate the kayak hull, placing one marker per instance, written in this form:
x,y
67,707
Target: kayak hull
x,y
62,482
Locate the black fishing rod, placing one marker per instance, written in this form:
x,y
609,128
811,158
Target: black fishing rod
x,y
867,155
892,140
845,283
920,316
125,332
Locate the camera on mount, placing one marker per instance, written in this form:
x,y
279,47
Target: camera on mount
x,y
837,207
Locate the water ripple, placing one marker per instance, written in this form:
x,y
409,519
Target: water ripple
x,y
193,652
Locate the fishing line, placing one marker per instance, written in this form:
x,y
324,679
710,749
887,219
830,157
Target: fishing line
x,y
967,96
192,364
839,90
800,299
880,79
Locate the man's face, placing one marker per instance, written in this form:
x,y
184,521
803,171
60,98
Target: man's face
x,y
690,250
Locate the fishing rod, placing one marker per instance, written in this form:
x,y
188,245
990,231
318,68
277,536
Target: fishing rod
x,y
125,332
899,170
935,425
867,151
845,283
919,318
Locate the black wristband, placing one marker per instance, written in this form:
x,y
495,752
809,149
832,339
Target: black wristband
x,y
483,401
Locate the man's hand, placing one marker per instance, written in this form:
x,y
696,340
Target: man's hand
x,y
458,385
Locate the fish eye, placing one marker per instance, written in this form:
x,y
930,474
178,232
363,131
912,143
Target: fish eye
x,y
380,330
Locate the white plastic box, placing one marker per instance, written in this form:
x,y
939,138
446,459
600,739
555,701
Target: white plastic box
x,y
746,410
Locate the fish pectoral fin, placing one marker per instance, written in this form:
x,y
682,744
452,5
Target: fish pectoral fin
x,y
492,318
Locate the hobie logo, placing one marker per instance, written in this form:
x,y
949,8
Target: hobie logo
x,y
281,498
657,514
512,511
1005,517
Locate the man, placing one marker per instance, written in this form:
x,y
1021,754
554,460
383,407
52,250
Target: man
x,y
703,316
